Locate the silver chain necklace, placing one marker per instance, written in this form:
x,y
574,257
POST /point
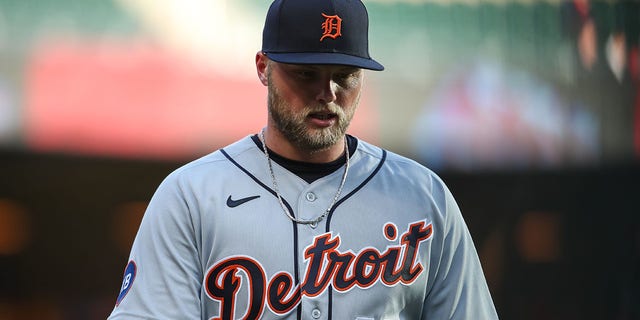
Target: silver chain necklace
x,y
313,223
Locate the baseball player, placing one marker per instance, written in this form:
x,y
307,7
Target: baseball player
x,y
301,220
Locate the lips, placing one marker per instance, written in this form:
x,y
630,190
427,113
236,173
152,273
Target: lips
x,y
323,115
323,119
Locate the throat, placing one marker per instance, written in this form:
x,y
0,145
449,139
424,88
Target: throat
x,y
309,171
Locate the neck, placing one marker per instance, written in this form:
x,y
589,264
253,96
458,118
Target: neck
x,y
279,144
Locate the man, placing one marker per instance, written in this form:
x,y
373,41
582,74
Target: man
x,y
301,220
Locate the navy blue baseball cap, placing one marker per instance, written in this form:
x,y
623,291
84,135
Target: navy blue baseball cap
x,y
318,32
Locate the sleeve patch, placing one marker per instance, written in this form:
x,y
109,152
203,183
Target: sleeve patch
x,y
127,282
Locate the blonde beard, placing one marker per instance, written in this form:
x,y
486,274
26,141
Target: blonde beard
x,y
294,127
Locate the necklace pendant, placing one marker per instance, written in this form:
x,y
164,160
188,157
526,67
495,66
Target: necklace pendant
x,y
313,224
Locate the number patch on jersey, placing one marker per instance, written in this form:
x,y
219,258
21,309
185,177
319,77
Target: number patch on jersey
x,y
127,282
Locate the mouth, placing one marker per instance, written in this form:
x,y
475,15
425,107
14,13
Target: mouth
x,y
323,119
323,115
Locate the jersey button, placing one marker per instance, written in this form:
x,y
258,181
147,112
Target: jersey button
x,y
311,197
316,313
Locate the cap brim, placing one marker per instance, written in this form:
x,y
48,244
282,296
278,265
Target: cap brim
x,y
325,58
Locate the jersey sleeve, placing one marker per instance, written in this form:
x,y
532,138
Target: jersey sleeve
x,y
459,289
163,276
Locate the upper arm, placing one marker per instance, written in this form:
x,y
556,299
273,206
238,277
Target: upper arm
x,y
458,289
168,278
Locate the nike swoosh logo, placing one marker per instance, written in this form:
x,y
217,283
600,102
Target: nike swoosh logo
x,y
234,203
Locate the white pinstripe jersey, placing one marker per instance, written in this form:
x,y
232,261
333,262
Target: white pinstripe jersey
x,y
214,243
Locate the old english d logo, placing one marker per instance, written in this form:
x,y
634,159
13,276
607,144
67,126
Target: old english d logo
x,y
331,27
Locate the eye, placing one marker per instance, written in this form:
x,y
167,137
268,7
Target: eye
x,y
306,74
344,76
347,79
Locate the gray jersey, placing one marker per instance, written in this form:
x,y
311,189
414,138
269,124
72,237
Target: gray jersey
x,y
216,244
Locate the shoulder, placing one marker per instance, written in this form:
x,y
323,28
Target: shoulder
x,y
403,173
215,164
219,159
401,166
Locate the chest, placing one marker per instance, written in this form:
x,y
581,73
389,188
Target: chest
x,y
367,257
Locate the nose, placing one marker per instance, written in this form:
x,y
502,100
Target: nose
x,y
326,91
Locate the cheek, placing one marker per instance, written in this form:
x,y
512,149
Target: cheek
x,y
297,97
350,101
351,94
285,100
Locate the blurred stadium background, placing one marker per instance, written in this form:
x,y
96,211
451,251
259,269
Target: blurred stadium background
x,y
528,109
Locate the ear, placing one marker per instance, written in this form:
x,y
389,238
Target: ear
x,y
261,67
